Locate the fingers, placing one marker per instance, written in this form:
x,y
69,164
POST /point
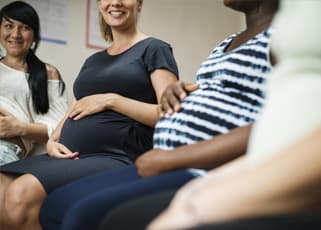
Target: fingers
x,y
179,90
78,112
170,100
59,154
190,87
78,116
75,112
160,111
61,151
85,107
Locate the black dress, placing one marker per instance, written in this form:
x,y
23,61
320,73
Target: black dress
x,y
107,139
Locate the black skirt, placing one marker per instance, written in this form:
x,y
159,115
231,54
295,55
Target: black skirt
x,y
55,172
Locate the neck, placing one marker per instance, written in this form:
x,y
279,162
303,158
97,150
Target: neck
x,y
123,40
18,63
121,37
261,16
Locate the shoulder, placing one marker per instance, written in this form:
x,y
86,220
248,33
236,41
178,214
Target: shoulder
x,y
156,43
97,54
264,35
152,46
53,73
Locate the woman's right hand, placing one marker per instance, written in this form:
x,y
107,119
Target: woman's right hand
x,y
55,149
171,98
92,104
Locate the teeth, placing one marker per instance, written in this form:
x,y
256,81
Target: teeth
x,y
14,43
116,14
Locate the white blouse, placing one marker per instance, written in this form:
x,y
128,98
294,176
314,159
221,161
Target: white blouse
x,y
15,97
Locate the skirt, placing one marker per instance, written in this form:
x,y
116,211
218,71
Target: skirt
x,y
56,172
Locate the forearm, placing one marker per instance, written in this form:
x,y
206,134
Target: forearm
x,y
142,112
32,131
211,153
14,129
288,182
292,177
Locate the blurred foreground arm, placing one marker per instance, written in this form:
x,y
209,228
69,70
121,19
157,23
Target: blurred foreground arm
x,y
288,182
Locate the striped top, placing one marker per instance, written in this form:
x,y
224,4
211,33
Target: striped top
x,y
230,94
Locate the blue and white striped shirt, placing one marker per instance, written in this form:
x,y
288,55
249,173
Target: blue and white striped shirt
x,y
230,94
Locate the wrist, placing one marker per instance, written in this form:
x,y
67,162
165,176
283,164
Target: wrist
x,y
53,139
111,101
21,128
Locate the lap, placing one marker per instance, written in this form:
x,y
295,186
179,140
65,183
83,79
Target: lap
x,y
142,211
138,212
54,172
110,189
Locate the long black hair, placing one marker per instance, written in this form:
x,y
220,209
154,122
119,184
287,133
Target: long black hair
x,y
38,77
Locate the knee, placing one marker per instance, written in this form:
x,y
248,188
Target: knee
x,y
22,197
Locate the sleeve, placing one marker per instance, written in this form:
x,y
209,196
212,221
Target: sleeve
x,y
58,105
159,55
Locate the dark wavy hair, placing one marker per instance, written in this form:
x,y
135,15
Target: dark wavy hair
x,y
38,77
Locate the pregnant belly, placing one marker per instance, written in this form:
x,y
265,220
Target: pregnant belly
x,y
106,133
94,134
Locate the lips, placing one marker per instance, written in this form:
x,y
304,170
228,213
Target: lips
x,y
15,43
117,13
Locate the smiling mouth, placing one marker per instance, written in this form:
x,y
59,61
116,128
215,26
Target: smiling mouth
x,y
116,13
15,42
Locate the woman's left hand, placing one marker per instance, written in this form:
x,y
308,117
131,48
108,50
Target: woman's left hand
x,y
9,125
92,104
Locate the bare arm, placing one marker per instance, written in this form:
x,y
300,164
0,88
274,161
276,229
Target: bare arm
x,y
286,183
137,110
204,155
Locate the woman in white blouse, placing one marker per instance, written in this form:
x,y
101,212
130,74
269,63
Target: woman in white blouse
x,y
32,97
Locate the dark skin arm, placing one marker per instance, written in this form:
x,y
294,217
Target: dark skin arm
x,y
203,155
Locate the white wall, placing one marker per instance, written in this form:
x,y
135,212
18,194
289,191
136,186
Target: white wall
x,y
192,27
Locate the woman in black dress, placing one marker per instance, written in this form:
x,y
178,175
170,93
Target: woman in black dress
x,y
109,123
